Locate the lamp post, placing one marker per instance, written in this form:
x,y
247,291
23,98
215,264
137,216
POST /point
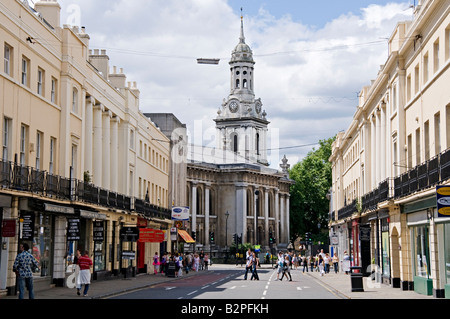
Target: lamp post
x,y
226,235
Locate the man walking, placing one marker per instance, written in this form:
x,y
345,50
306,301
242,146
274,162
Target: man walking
x,y
24,266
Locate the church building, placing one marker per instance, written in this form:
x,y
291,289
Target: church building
x,y
234,193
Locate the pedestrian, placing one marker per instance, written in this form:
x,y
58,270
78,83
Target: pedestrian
x,y
305,263
162,263
155,263
255,264
326,263
85,264
320,264
346,263
24,266
196,263
206,261
280,262
248,263
286,266
77,271
311,262
201,256
336,263
295,261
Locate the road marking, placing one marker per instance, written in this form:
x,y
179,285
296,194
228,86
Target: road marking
x,y
299,288
205,286
170,288
233,287
192,292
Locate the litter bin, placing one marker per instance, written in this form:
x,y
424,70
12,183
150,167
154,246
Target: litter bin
x,y
356,277
170,272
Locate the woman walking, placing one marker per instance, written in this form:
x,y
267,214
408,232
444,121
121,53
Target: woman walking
x,y
320,263
255,265
155,263
286,269
336,263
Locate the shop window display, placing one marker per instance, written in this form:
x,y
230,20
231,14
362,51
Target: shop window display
x,y
421,252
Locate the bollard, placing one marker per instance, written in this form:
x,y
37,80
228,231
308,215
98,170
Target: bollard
x,y
356,278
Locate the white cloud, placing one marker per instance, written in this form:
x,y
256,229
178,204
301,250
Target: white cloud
x,y
307,78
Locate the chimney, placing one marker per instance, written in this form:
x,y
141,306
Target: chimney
x,y
100,61
50,11
118,80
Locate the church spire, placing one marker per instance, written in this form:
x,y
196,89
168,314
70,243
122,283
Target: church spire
x,y
242,38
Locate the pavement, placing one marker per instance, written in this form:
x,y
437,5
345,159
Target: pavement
x,y
339,284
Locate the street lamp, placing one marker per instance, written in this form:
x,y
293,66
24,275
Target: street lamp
x,y
226,235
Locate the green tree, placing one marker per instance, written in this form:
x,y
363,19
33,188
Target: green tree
x,y
309,203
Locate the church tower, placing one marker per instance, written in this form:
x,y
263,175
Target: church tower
x,y
241,125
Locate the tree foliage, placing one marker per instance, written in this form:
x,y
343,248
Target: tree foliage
x,y
309,203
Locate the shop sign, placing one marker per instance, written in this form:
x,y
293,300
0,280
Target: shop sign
x,y
128,254
26,225
129,234
180,213
148,235
59,209
443,200
9,228
99,231
73,229
92,215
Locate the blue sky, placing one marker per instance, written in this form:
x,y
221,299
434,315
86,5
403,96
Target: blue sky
x,y
309,67
313,13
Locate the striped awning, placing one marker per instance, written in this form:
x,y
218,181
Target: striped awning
x,y
186,237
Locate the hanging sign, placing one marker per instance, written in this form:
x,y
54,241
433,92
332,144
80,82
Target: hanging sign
x,y
129,234
443,200
180,213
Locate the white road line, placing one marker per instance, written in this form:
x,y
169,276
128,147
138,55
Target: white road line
x,y
299,288
192,292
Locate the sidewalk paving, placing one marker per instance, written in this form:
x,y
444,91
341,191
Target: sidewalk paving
x,y
339,284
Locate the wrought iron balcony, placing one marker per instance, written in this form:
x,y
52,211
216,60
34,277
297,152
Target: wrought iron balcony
x,y
28,179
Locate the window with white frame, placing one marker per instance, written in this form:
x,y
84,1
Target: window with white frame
x,y
436,55
6,138
40,82
23,144
75,100
52,155
53,91
38,150
7,57
25,70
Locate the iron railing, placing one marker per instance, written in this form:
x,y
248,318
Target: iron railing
x,y
28,179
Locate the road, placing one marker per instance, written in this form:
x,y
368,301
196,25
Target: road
x,y
227,282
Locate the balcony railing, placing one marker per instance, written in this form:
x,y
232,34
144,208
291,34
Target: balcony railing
x,y
28,179
425,175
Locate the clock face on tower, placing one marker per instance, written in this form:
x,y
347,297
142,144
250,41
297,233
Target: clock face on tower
x,y
233,106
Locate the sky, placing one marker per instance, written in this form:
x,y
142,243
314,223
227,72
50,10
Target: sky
x,y
312,58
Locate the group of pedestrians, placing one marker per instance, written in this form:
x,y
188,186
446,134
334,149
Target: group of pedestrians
x,y
26,264
252,264
321,262
184,262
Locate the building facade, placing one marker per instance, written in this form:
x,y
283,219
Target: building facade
x,y
81,166
231,191
389,162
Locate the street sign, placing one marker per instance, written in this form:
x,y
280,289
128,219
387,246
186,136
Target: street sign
x,y
180,213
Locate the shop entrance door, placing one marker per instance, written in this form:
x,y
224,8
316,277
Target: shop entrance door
x,y
141,257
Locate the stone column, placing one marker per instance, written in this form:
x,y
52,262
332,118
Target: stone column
x,y
97,150
383,146
115,154
106,173
88,127
372,152
277,216
241,212
194,208
207,244
378,148
266,216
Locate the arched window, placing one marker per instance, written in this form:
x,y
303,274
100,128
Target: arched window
x,y
235,143
75,100
237,83
244,83
257,143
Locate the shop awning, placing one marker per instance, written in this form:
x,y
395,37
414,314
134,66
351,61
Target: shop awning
x,y
186,237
